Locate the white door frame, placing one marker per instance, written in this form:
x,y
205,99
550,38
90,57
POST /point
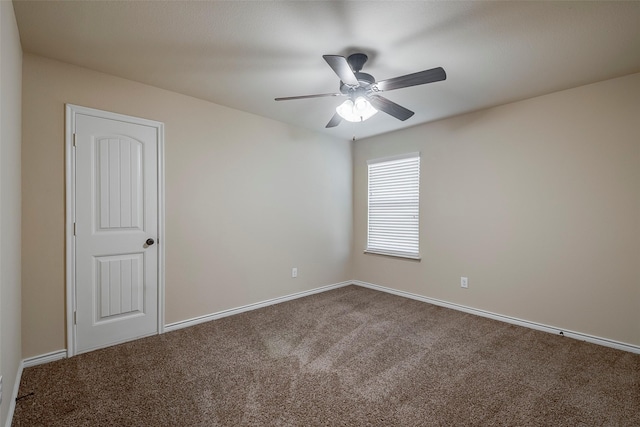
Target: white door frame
x,y
70,249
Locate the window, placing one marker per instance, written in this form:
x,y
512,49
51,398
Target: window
x,y
394,196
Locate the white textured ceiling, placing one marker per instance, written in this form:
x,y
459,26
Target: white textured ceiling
x,y
243,54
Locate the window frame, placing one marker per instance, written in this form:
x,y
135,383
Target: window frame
x,y
393,249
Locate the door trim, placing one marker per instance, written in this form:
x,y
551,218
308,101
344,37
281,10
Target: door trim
x,y
70,202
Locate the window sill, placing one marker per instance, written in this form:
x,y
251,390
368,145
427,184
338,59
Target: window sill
x,y
394,255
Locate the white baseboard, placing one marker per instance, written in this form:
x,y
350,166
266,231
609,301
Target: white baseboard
x,y
230,312
507,319
44,358
14,395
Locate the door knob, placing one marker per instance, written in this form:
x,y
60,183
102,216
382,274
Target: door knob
x,y
150,242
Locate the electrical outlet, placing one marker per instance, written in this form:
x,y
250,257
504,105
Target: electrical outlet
x,y
464,282
294,272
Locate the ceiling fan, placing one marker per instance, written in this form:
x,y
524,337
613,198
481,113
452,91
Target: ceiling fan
x,y
362,89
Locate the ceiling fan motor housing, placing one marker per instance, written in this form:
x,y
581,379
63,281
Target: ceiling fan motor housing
x,y
356,61
365,80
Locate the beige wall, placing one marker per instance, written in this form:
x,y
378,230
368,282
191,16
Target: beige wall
x,y
10,116
537,202
247,199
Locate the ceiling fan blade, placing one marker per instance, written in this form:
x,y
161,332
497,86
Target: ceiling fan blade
x,y
419,78
341,67
335,121
320,95
389,107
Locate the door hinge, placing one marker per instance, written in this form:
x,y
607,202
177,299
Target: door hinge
x,y
75,317
75,229
75,138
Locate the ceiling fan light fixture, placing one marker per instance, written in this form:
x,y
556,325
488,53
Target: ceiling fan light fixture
x,y
356,111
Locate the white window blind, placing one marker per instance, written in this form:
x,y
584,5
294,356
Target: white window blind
x,y
394,196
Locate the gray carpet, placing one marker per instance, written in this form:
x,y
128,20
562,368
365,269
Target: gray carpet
x,y
347,357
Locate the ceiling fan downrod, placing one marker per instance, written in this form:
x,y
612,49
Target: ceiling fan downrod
x,y
356,61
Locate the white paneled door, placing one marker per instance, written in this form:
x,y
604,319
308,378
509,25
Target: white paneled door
x,y
116,230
